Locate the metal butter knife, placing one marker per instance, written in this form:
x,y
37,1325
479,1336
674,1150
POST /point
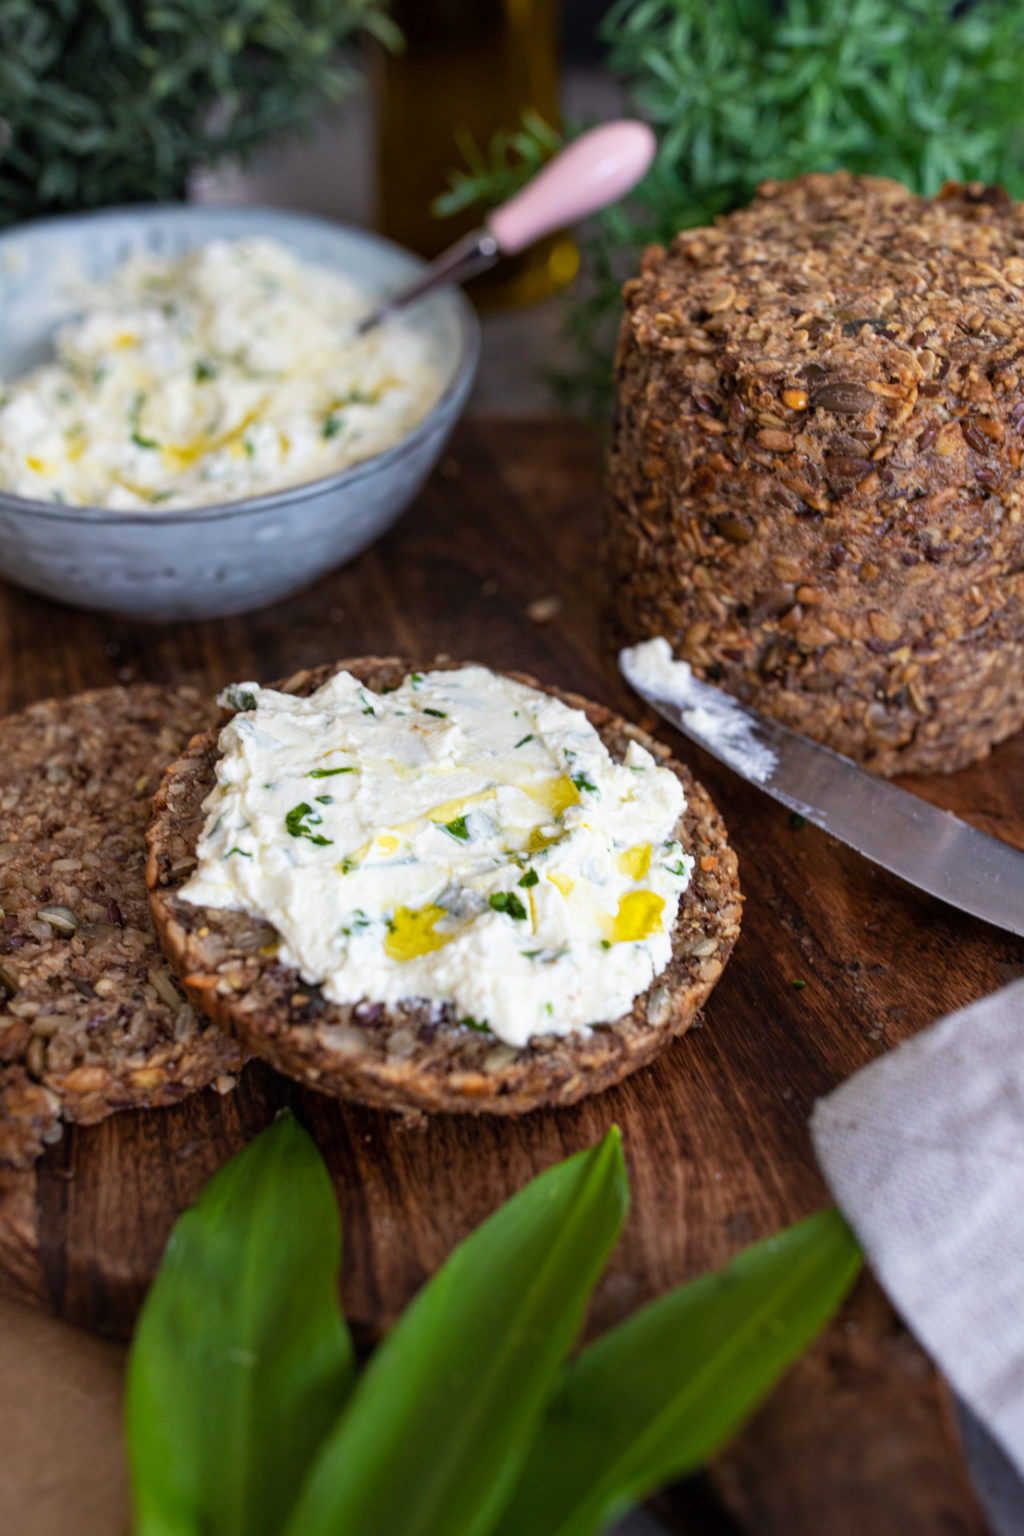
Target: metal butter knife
x,y
927,847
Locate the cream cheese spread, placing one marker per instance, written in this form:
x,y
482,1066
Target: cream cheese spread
x,y
463,839
229,372
715,718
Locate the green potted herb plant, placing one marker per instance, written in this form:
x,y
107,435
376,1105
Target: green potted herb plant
x,y
117,101
746,90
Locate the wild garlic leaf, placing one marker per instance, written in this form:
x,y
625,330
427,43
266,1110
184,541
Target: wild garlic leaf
x,y
241,1361
652,1399
439,1425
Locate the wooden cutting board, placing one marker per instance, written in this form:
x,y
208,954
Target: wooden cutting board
x,y
499,562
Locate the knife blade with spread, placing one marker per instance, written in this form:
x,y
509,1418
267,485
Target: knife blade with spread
x,y
923,845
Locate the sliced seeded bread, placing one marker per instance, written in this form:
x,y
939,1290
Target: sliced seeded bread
x,y
417,1056
91,1017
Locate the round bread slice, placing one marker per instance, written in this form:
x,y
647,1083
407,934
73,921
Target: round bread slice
x,y
417,1056
91,1017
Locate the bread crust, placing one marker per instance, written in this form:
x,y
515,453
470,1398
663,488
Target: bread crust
x,y
416,1056
91,1021
815,481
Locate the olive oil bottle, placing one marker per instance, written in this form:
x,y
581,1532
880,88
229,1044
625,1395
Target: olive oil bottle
x,y
469,66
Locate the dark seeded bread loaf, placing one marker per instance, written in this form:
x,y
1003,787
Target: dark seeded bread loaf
x,y
815,474
416,1057
91,1018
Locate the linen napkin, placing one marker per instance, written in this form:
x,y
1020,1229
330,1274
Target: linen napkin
x,y
924,1152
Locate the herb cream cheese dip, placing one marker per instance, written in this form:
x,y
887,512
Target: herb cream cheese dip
x,y
464,839
229,372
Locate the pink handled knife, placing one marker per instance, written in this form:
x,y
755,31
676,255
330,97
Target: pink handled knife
x,y
595,170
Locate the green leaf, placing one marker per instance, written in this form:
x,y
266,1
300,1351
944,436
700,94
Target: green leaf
x,y
747,90
509,903
471,1023
241,1361
658,1395
240,699
511,160
439,1425
301,820
117,102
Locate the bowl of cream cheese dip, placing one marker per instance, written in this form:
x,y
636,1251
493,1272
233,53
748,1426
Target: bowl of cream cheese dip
x,y
190,425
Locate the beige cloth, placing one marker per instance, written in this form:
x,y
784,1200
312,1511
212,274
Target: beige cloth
x,y
61,1463
62,1388
924,1152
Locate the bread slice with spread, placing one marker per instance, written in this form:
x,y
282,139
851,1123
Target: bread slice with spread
x,y
444,889
91,1017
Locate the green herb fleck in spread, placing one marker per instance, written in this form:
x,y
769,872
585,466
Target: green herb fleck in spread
x,y
304,813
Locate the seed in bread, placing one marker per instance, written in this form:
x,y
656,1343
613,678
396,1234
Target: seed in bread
x,y
92,1019
815,472
415,1053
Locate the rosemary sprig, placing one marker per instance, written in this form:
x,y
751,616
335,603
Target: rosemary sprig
x,y
492,175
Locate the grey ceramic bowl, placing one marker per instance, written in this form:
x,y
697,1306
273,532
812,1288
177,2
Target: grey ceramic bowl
x,y
214,560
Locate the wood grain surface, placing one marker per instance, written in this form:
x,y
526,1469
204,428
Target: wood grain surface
x,y
499,562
